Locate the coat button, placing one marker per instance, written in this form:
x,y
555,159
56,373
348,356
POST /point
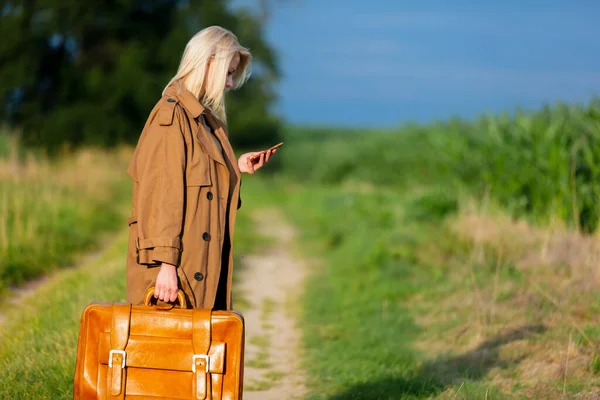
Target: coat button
x,y
170,100
198,276
206,236
209,195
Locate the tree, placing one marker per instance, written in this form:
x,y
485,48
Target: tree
x,y
89,72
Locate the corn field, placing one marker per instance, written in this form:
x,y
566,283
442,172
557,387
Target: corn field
x,y
544,166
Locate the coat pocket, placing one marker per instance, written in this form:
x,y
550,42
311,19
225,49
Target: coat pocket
x,y
198,170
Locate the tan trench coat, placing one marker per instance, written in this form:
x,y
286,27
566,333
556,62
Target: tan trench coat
x,y
185,198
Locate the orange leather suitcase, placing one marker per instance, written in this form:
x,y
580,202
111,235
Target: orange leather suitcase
x,y
159,352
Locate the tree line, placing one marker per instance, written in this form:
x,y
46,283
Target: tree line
x,y
88,73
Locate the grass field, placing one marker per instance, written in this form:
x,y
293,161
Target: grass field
x,y
401,304
450,261
542,166
38,338
463,306
50,210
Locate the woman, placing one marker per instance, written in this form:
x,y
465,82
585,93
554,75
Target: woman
x,y
187,180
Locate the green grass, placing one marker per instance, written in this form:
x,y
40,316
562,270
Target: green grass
x,y
358,331
444,269
39,338
405,305
408,302
52,210
539,165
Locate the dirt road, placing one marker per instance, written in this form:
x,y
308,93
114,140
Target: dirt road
x,y
271,282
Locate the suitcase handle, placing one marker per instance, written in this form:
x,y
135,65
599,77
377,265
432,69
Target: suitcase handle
x,y
150,293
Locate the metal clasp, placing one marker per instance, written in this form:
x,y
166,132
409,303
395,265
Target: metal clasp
x,y
200,357
112,353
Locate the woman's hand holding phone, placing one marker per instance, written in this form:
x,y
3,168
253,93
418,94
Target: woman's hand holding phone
x,y
251,162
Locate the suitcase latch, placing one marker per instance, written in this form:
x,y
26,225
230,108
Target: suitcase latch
x,y
112,353
200,357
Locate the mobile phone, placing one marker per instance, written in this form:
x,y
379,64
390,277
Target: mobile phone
x,y
257,156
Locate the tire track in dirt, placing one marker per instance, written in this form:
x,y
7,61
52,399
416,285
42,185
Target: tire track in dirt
x,y
16,295
271,282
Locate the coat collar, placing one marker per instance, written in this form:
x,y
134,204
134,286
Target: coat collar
x,y
195,109
186,98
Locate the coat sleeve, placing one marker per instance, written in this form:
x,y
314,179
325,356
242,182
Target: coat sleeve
x,y
160,203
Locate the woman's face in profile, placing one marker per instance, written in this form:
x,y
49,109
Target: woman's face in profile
x,y
235,61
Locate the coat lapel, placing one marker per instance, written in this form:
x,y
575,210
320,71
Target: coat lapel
x,y
209,144
222,136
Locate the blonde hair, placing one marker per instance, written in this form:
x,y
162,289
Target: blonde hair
x,y
214,46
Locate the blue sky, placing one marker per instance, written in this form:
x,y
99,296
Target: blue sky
x,y
381,63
